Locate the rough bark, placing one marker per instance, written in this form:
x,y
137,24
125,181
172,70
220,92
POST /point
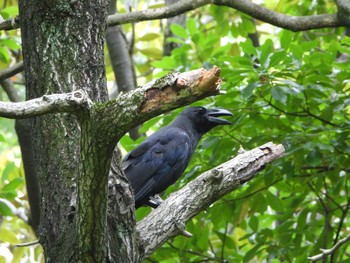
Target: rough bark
x,y
63,51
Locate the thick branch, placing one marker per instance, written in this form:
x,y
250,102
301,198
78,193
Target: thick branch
x,y
172,91
169,219
294,23
54,103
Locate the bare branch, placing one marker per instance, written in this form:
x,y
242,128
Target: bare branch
x,y
10,90
165,222
294,23
54,103
9,24
11,71
326,252
156,13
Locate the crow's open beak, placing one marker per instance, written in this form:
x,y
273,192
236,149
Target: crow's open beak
x,y
213,114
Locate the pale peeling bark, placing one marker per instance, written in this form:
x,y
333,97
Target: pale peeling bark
x,y
54,103
169,219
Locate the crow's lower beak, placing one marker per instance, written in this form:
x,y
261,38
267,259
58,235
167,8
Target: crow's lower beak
x,y
213,114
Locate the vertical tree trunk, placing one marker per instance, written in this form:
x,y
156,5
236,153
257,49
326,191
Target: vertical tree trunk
x,y
63,51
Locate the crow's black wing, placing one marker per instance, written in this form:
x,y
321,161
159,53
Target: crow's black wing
x,y
158,162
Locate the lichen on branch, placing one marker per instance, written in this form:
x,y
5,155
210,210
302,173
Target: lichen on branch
x,y
167,93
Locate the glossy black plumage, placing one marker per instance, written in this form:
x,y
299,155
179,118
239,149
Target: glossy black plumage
x,y
162,158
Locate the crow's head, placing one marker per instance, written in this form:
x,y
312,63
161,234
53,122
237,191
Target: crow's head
x,y
203,120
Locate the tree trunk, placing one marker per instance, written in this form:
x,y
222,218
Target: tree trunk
x,y
63,51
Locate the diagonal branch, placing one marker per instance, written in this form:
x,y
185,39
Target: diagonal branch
x,y
11,71
326,252
54,103
169,219
162,95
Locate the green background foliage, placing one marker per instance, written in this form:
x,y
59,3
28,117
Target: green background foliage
x,y
292,89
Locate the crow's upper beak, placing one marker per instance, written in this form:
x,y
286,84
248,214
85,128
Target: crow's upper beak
x,y
213,114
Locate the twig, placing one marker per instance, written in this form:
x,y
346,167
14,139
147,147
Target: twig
x,y
27,244
10,90
11,71
326,252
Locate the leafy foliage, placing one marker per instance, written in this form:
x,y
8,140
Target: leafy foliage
x,y
293,89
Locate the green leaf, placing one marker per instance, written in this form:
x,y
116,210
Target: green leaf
x,y
152,52
7,235
10,11
297,51
279,94
265,52
254,223
178,30
286,38
327,114
4,55
247,91
4,209
2,138
274,202
9,168
277,57
148,37
175,40
345,41
10,43
248,47
11,186
191,26
165,63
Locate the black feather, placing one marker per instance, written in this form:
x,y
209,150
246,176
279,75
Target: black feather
x,y
162,158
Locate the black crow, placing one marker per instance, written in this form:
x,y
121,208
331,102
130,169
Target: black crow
x,y
162,158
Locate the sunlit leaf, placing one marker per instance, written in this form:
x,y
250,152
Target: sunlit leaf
x,y
275,202
178,30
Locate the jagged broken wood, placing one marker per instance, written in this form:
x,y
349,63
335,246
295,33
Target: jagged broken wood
x,y
169,219
159,96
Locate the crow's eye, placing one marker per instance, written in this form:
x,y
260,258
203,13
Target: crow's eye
x,y
201,110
